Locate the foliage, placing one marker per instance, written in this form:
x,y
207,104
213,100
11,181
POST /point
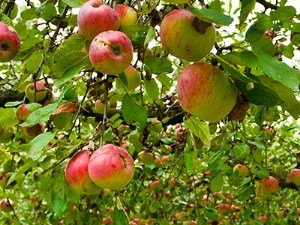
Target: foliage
x,y
257,46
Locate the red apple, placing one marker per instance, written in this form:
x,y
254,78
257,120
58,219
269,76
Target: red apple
x,y
9,42
241,169
185,36
6,205
99,106
77,175
22,112
95,17
127,14
294,176
263,218
111,167
36,91
111,52
205,91
269,184
224,208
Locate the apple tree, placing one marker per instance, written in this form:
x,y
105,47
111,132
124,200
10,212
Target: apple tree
x,y
149,112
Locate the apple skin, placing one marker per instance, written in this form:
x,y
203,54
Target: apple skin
x,y
6,204
128,16
111,167
77,176
205,91
22,112
111,52
9,43
243,170
95,17
294,176
146,157
133,78
224,208
267,186
185,36
36,92
99,106
6,134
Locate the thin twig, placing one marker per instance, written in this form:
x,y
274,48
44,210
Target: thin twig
x,y
267,5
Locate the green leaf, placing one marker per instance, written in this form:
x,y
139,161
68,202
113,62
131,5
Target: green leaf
x,y
40,115
154,206
8,117
69,74
47,11
244,192
151,35
70,54
74,3
158,65
286,13
278,70
38,144
211,16
246,8
33,62
132,111
200,129
216,184
59,199
119,217
151,88
243,58
241,150
188,160
20,172
290,103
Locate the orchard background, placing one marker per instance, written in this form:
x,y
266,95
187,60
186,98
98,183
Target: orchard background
x,y
184,166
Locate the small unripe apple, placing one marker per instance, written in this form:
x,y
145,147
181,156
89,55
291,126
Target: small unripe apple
x,y
95,17
294,176
133,78
36,91
3,179
77,175
263,218
111,167
9,42
146,157
205,91
111,52
128,16
32,131
269,184
185,36
241,169
224,208
6,205
99,106
22,112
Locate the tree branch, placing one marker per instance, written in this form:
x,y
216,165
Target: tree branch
x,y
267,5
10,96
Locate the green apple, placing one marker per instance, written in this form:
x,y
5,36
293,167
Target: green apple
x,y
241,169
99,106
36,91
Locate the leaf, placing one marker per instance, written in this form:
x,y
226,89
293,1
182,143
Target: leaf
x,y
74,3
243,58
40,115
119,217
244,191
71,53
38,144
188,160
154,206
158,65
47,11
69,74
8,117
59,199
278,70
68,107
216,184
246,8
151,88
211,16
290,103
151,35
241,150
200,129
282,13
33,62
132,111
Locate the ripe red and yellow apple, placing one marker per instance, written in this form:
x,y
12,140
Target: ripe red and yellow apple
x,y
95,17
77,176
267,186
111,167
36,91
241,169
205,91
6,205
185,36
9,42
99,106
111,52
128,16
133,78
294,176
22,112
224,208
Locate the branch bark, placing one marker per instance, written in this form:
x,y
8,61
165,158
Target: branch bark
x,y
267,5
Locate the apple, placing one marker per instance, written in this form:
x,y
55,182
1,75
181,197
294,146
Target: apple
x,y
146,157
6,134
269,185
32,131
99,106
111,167
224,208
77,176
9,42
94,17
133,78
128,16
185,36
36,91
111,52
6,205
263,218
22,112
3,179
294,176
205,91
241,169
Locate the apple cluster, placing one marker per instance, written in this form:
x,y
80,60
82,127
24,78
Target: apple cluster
x,y
9,42
203,90
110,51
108,167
